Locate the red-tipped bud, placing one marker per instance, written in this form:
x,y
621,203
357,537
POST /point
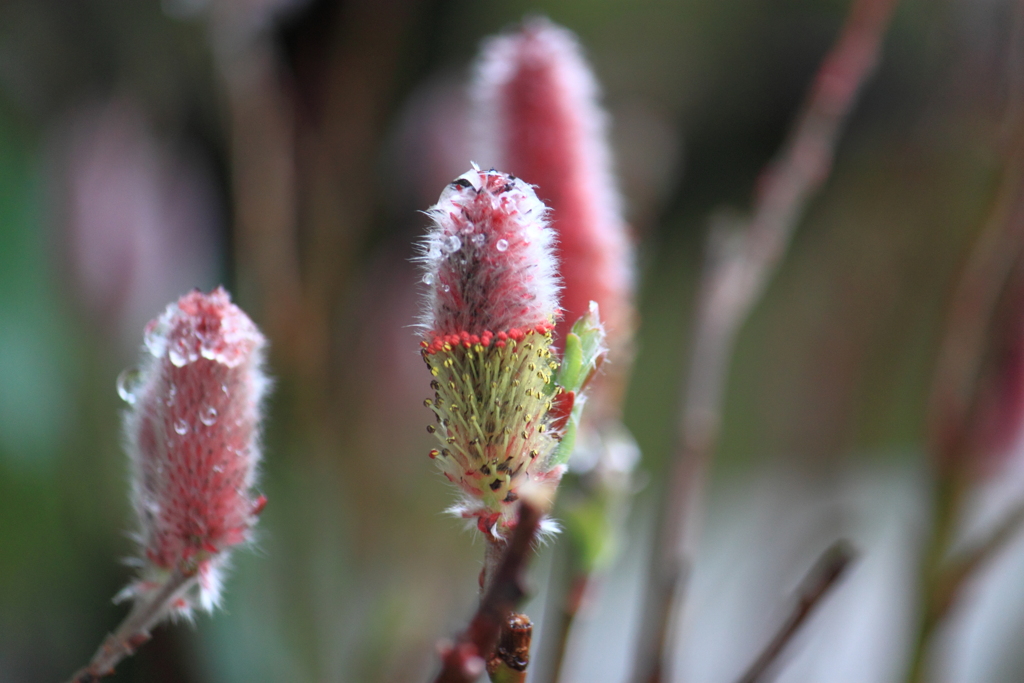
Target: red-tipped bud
x,y
488,261
538,116
491,306
193,435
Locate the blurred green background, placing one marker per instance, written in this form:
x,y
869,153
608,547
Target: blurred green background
x,y
284,148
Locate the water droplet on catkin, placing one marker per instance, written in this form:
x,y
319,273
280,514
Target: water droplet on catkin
x,y
501,245
127,383
452,243
208,416
428,278
177,358
181,427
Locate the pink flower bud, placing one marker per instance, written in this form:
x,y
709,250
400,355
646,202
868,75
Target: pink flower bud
x,y
488,261
193,435
538,116
491,307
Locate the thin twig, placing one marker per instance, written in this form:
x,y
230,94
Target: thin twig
x,y
969,562
145,614
943,581
732,284
564,609
944,584
464,661
816,585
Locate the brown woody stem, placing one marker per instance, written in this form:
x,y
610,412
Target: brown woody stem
x,y
465,660
145,614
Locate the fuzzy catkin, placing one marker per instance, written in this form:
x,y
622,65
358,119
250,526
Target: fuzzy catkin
x,y
536,114
193,436
491,306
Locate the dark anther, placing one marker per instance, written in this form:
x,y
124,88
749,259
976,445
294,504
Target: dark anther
x,y
496,484
461,182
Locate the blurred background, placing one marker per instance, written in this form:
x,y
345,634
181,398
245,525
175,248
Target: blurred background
x,y
286,149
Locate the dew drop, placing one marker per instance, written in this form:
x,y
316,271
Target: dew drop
x,y
428,278
452,243
218,468
208,416
155,341
180,354
478,240
127,384
446,288
501,245
177,358
181,427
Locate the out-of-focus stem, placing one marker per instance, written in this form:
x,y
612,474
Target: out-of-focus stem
x,y
732,284
953,409
818,583
337,144
262,133
136,627
969,327
942,577
561,621
935,595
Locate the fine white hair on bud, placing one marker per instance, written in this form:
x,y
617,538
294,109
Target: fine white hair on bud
x,y
487,260
491,306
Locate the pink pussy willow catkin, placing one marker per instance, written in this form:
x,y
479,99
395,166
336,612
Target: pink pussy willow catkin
x,y
193,435
537,115
491,306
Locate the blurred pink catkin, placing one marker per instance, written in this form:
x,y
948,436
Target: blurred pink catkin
x,y
138,219
193,435
537,116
